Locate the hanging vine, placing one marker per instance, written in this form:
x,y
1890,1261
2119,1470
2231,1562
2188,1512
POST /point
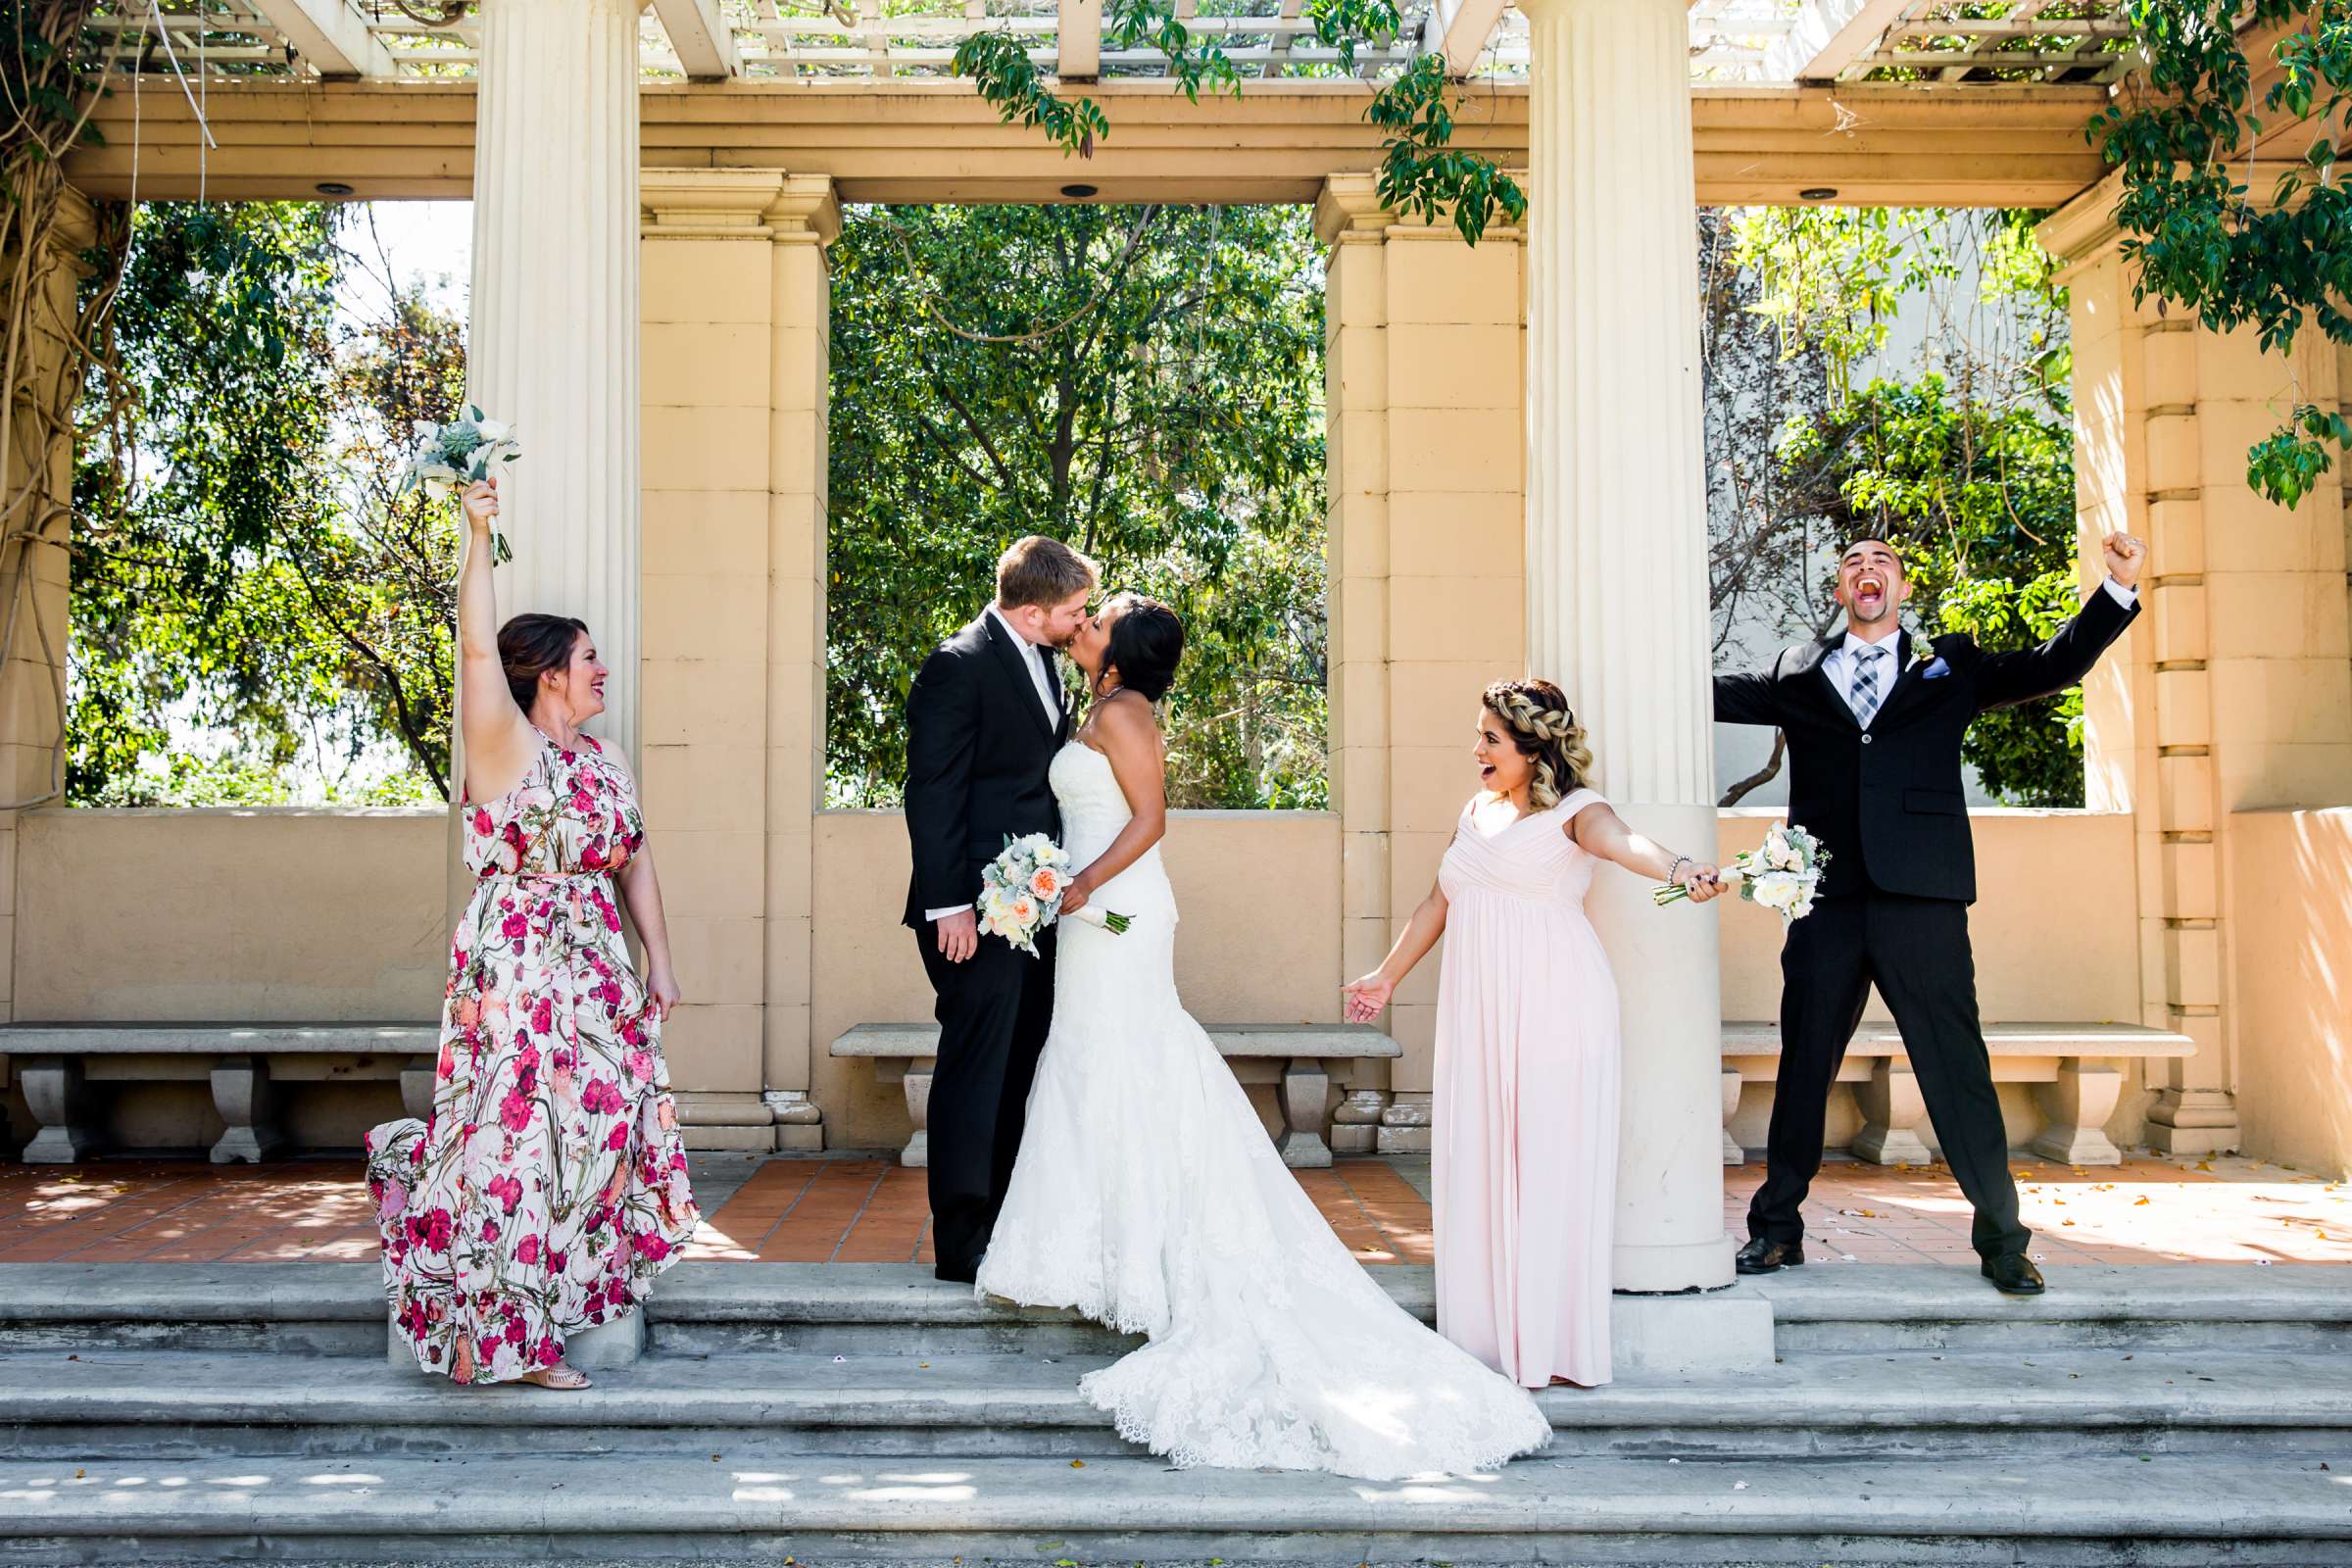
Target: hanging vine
x,y
2201,240
49,86
1422,173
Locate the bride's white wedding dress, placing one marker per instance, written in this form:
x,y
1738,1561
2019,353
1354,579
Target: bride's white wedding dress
x,y
1148,1197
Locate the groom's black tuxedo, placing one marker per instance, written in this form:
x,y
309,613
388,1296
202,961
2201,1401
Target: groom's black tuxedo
x,y
1885,802
978,747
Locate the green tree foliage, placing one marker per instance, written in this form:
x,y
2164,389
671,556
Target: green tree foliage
x,y
2201,236
250,600
1967,465
1981,501
1146,383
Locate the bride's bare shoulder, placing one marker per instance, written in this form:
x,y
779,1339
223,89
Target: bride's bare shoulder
x,y
1125,724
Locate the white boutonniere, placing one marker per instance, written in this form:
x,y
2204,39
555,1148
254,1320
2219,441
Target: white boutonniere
x,y
1924,657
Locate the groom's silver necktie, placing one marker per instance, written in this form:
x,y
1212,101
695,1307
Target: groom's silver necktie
x,y
1865,700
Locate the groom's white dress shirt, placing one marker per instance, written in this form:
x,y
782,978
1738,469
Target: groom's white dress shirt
x,y
1845,662
1033,656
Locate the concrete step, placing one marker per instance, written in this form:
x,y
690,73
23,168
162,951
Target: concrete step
x,y
1846,1306
383,1510
889,1308
289,1308
188,1405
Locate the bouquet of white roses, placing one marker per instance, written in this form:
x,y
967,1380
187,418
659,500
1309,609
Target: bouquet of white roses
x,y
1781,873
463,453
1023,889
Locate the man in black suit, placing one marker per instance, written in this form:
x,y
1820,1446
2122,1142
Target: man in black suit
x,y
1874,722
984,720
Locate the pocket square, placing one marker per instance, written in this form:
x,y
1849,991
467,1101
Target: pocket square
x,y
1936,669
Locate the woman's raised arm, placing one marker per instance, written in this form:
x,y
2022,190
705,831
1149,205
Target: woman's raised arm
x,y
497,734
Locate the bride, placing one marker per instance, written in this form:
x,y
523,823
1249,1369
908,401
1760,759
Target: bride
x,y
1147,1195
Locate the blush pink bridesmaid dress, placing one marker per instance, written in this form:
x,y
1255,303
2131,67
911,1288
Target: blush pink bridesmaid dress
x,y
1524,1146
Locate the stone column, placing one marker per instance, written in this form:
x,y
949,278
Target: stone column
x,y
1616,568
735,365
2234,692
803,219
552,347
1423,338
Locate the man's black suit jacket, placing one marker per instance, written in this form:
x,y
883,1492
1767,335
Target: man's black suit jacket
x,y
1886,802
978,748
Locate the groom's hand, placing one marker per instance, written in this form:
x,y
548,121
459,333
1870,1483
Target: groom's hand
x,y
960,936
2126,556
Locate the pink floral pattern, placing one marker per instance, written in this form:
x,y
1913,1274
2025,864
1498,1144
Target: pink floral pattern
x,y
550,1185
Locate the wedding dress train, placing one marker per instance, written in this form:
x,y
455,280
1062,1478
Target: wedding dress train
x,y
1148,1197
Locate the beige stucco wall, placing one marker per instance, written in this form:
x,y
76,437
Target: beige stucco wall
x,y
2054,932
235,915
2291,941
1266,950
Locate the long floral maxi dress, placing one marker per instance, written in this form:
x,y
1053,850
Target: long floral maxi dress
x,y
550,1185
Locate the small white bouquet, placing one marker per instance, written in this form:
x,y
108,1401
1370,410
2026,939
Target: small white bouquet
x,y
463,452
1781,873
1023,889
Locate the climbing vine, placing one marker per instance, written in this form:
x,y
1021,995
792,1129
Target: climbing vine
x,y
2192,223
51,337
1422,173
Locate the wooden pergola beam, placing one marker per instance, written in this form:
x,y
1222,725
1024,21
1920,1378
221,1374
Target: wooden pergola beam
x,y
332,36
1828,36
1460,30
699,32
910,140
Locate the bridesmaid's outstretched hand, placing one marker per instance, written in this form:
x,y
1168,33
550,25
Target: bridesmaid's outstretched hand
x,y
481,505
1368,996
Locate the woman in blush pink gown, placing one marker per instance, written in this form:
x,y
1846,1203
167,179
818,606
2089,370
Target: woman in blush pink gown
x,y
1524,1147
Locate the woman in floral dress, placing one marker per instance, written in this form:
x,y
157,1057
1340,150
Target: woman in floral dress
x,y
550,1185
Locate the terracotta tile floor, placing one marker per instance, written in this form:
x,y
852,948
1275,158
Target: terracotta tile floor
x,y
849,1209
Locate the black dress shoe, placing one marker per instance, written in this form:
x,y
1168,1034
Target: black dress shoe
x,y
961,1273
2014,1274
1761,1256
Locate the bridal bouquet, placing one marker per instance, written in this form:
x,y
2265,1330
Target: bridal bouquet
x,y
1781,873
1021,893
462,453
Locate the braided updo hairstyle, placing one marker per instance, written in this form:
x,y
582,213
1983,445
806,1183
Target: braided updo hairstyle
x,y
1545,729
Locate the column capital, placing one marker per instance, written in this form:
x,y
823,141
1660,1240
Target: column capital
x,y
2084,229
77,228
1350,207
709,203
805,207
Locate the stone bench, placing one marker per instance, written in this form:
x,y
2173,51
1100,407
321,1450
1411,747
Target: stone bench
x,y
2074,1067
1303,1059
57,1063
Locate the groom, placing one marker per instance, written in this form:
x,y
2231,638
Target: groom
x,y
984,720
1875,720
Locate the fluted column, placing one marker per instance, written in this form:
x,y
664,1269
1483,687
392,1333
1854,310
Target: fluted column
x,y
553,342
1616,566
